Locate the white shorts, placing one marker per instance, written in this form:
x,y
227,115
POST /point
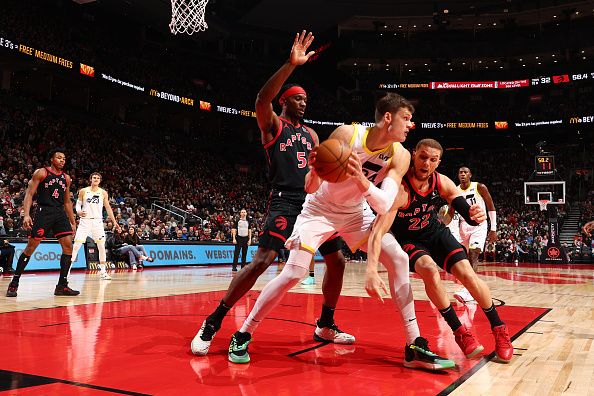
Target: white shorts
x,y
318,222
473,237
90,228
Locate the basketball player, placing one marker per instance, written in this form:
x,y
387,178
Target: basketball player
x,y
377,158
89,206
413,221
242,238
473,237
287,144
53,213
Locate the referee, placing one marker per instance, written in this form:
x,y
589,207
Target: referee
x,y
242,238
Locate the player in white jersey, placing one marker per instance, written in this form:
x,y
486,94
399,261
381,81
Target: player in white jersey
x,y
89,206
473,237
377,157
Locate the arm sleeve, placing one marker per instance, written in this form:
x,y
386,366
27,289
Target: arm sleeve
x,y
462,207
381,199
78,206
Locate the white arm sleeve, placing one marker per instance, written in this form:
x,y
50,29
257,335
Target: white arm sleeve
x,y
78,206
381,199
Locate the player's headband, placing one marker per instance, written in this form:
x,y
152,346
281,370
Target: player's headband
x,y
295,90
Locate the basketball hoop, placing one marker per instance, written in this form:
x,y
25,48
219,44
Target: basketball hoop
x,y
187,16
543,204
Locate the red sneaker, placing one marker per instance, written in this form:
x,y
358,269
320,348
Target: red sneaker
x,y
466,341
503,345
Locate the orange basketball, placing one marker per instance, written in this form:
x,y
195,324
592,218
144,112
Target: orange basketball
x,y
332,160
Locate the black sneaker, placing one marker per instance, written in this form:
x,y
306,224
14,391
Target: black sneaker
x,y
64,290
238,348
234,269
12,289
418,355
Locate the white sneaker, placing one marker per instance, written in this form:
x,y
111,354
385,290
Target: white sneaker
x,y
201,342
134,267
464,296
104,275
310,280
332,334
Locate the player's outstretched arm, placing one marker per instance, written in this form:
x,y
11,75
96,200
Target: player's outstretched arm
x,y
474,215
267,120
374,285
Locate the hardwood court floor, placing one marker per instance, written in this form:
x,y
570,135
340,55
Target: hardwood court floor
x,y
131,335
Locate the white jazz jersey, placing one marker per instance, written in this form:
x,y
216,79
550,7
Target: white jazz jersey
x,y
346,196
92,224
473,237
454,226
340,207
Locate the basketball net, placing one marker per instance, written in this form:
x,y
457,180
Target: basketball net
x,y
187,16
543,204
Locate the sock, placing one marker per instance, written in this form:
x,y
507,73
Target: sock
x,y
65,263
21,264
327,317
395,260
493,316
216,318
450,316
311,273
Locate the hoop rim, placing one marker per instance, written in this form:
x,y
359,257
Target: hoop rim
x,y
543,203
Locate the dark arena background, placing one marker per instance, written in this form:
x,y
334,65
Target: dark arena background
x,y
506,87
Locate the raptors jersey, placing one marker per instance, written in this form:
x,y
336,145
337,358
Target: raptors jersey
x,y
472,196
419,216
51,190
92,203
287,156
375,166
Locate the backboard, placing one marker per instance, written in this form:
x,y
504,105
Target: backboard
x,y
553,191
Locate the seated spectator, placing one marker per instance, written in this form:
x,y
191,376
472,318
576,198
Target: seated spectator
x,y
132,240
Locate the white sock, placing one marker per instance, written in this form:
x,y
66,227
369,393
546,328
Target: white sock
x,y
396,262
275,290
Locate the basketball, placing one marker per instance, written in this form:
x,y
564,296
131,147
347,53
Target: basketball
x,y
331,161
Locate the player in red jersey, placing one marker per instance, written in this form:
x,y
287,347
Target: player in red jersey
x,y
287,143
414,222
53,214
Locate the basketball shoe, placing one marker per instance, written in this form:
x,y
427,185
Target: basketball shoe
x,y
466,341
332,334
12,289
201,342
464,296
104,275
310,280
503,345
418,355
64,290
238,348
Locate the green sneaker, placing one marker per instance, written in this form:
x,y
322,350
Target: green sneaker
x,y
418,355
238,348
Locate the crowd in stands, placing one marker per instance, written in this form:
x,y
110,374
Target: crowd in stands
x,y
141,170
144,168
137,171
